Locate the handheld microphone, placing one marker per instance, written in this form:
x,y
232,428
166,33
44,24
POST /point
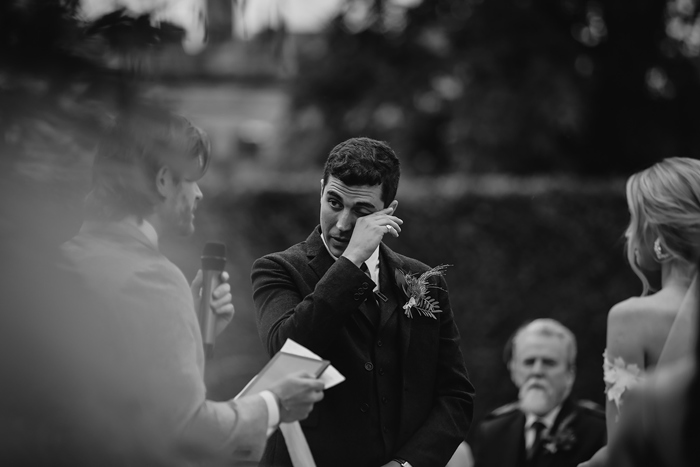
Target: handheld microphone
x,y
213,262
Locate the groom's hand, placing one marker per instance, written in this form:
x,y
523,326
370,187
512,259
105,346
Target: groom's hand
x,y
368,233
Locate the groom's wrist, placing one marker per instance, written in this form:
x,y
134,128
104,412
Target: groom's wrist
x,y
353,259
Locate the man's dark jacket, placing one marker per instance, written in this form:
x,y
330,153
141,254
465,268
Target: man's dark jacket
x,y
577,433
406,392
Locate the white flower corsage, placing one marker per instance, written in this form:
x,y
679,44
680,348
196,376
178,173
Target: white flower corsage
x,y
416,289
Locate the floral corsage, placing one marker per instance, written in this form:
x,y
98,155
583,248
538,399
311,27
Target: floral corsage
x,y
564,438
416,289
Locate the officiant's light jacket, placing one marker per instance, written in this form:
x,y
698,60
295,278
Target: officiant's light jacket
x,y
500,438
407,393
159,410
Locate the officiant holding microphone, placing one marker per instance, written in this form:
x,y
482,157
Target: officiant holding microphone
x,y
154,408
345,295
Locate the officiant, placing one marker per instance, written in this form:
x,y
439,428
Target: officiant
x,y
156,412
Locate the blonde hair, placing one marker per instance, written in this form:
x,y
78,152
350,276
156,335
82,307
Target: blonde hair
x,y
664,203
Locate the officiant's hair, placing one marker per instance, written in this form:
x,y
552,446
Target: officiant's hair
x,y
128,159
548,328
365,161
664,204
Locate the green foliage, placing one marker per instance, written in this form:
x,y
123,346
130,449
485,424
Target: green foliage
x,y
526,86
516,257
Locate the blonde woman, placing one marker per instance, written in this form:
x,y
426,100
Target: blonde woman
x,y
663,238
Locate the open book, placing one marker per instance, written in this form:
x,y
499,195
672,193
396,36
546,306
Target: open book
x,y
281,365
290,359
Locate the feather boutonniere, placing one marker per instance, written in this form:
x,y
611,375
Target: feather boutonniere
x,y
417,288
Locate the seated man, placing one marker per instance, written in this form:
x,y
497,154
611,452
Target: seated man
x,y
545,426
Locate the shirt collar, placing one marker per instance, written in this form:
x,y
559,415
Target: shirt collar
x,y
547,420
372,263
145,227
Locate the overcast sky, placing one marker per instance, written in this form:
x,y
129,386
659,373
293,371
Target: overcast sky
x,y
299,15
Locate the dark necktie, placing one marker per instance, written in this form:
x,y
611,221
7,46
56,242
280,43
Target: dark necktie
x,y
539,428
365,269
372,301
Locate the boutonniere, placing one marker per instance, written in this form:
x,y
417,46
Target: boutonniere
x,y
564,438
417,288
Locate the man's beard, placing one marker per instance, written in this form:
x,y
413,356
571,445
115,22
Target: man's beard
x,y
180,223
536,397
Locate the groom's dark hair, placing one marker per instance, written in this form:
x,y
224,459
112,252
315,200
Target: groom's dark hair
x,y
365,161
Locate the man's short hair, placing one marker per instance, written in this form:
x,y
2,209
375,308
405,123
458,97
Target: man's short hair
x,y
365,161
132,153
548,328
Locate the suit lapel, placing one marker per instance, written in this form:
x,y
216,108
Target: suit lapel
x,y
543,458
371,312
566,408
389,262
513,442
387,284
319,258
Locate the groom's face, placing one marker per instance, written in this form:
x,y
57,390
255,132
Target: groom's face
x,y
540,370
341,206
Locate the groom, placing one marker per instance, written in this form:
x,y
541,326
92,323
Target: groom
x,y
407,400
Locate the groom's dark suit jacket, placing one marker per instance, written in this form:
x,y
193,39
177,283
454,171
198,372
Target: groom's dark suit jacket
x,y
500,438
406,392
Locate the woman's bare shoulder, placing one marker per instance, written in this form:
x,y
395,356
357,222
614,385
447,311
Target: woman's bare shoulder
x,y
657,306
629,311
638,327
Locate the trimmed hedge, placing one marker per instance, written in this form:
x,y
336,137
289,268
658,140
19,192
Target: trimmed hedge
x,y
547,253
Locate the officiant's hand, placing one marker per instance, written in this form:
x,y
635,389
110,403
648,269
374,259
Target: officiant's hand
x,y
296,395
221,300
369,231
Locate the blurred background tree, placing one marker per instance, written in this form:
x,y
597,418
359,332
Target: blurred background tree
x,y
527,86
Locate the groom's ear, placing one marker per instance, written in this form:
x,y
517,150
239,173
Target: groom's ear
x,y
322,185
393,205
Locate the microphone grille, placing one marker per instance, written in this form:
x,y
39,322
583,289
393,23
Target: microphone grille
x,y
214,249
